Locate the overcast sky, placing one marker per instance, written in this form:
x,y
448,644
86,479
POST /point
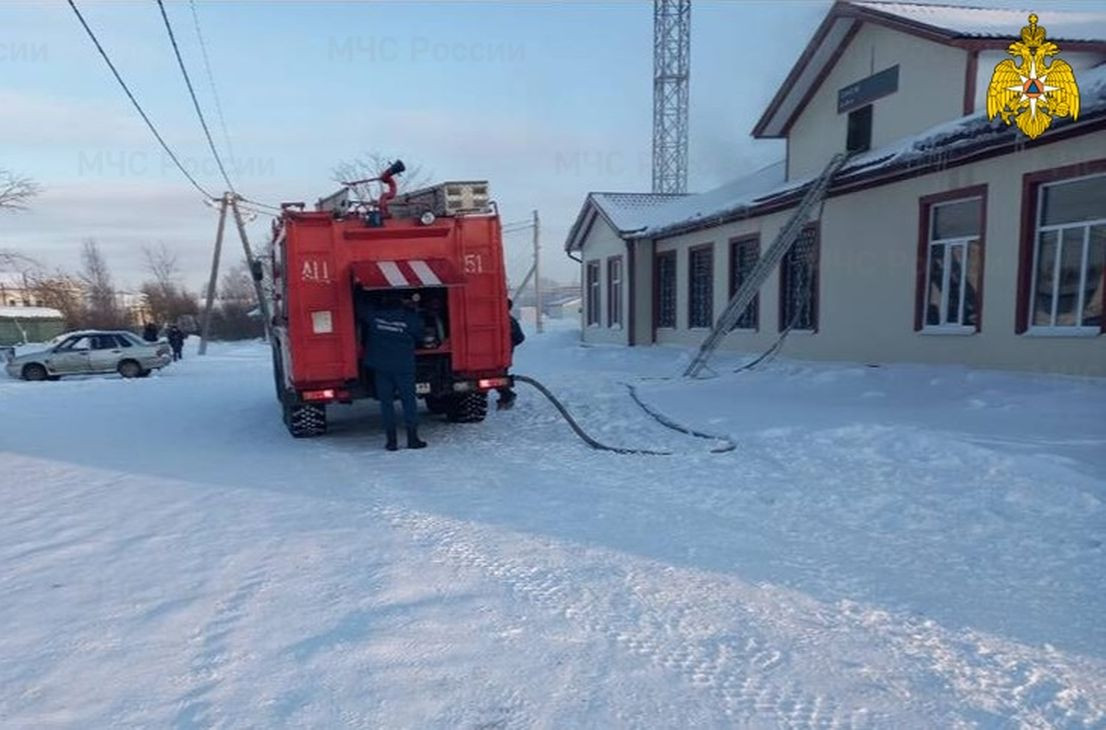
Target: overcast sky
x,y
547,101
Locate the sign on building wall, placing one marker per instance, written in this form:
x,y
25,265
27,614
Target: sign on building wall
x,y
867,90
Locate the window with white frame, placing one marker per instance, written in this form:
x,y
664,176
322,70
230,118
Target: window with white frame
x,y
614,291
1069,251
591,293
954,269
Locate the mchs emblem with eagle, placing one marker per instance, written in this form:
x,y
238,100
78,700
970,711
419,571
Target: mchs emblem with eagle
x,y
1032,93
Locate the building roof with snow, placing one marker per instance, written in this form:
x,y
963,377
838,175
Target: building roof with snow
x,y
623,211
961,140
965,22
29,313
970,28
947,143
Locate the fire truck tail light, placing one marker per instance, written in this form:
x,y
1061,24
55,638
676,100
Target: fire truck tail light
x,y
322,323
327,394
488,383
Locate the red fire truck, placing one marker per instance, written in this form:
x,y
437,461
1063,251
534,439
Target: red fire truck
x,y
442,244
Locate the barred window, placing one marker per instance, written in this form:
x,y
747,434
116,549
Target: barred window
x,y
614,291
664,284
744,253
591,293
799,283
700,294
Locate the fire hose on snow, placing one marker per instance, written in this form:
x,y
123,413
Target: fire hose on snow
x,y
726,443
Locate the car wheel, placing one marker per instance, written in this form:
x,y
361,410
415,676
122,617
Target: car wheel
x,y
34,371
130,369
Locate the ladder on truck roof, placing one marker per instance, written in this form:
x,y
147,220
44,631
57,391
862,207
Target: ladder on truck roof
x,y
741,299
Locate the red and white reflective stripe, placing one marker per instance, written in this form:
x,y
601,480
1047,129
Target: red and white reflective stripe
x,y
425,273
392,273
408,273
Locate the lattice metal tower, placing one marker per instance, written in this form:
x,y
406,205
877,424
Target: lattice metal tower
x,y
671,65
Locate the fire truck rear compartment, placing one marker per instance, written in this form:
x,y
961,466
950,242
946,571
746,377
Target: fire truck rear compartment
x,y
433,362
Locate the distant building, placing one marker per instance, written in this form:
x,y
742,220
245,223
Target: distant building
x,y
15,290
22,324
19,290
945,238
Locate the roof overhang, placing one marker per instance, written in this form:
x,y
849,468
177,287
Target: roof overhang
x,y
833,36
585,220
1005,140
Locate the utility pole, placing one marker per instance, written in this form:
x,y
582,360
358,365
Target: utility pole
x,y
205,329
534,272
254,266
537,272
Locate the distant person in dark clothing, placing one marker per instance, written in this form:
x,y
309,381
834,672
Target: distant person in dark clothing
x,y
392,332
176,341
506,395
149,332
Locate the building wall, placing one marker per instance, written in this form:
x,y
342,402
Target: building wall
x,y
643,289
868,265
601,242
931,91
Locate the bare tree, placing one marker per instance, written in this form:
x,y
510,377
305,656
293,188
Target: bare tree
x,y
17,262
103,309
16,190
170,304
167,299
371,164
162,263
62,292
236,317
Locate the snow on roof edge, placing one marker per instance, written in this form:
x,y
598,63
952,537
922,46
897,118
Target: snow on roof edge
x,y
30,313
936,140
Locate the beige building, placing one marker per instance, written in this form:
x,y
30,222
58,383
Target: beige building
x,y
945,238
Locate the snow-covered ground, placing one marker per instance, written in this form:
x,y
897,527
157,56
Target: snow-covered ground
x,y
890,547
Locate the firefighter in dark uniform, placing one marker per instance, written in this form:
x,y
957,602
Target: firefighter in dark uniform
x,y
506,394
392,332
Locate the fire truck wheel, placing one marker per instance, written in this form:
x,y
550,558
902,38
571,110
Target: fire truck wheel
x,y
305,421
468,408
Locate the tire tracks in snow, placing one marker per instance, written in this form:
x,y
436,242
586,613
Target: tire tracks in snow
x,y
679,622
761,652
211,643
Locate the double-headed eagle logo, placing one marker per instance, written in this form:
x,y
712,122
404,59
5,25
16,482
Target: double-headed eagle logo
x,y
1032,93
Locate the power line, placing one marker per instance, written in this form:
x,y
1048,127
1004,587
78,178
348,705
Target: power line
x,y
211,81
137,106
192,93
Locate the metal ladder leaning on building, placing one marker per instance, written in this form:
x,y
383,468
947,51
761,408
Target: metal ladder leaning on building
x,y
765,265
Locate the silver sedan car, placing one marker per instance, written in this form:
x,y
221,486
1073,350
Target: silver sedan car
x,y
84,353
